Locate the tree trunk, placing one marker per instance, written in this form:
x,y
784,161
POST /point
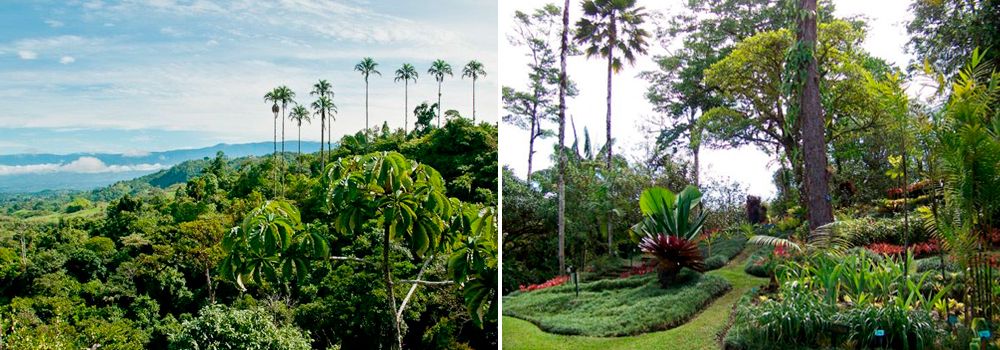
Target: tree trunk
x,y
610,144
406,105
439,104
695,144
531,148
813,136
564,49
322,131
387,274
473,100
208,282
366,105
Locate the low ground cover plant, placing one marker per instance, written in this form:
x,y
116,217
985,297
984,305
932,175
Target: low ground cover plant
x,y
617,307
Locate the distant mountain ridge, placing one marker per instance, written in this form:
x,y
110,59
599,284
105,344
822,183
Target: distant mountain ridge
x,y
30,182
166,158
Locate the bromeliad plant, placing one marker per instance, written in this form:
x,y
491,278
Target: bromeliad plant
x,y
669,232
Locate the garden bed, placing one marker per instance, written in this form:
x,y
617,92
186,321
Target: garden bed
x,y
616,307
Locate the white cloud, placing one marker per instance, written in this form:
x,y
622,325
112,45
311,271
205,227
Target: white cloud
x,y
135,153
87,165
67,60
27,54
54,23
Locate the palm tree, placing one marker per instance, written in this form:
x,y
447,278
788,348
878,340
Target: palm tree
x,y
563,86
285,96
474,69
300,114
438,69
322,89
406,73
367,67
608,26
324,107
274,96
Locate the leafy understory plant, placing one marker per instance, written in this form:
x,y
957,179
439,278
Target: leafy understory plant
x,y
668,232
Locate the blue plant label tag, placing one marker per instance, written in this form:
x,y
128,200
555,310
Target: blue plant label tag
x,y
985,334
952,319
879,332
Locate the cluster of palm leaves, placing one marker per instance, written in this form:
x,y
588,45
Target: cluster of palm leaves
x,y
670,230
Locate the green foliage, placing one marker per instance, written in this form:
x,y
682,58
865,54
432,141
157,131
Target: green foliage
x,y
616,307
670,214
220,327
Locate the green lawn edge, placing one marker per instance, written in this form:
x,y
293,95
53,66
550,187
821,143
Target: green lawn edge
x,y
701,332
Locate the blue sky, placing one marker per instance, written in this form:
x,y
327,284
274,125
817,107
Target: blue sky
x,y
133,76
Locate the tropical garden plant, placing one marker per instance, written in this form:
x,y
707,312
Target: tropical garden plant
x,y
668,232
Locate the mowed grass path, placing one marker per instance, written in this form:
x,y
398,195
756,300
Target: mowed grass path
x,y
698,334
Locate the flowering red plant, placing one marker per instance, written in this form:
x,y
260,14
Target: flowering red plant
x,y
919,249
885,248
558,280
780,251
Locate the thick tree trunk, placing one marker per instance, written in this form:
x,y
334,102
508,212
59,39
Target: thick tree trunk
x,y
564,49
813,136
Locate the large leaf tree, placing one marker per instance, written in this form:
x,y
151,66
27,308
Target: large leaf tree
x,y
406,202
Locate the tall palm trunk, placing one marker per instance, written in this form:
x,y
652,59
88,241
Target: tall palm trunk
x,y
564,48
473,100
439,104
366,105
611,54
813,136
300,139
322,130
406,105
695,135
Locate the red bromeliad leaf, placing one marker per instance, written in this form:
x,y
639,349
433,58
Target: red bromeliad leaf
x,y
673,250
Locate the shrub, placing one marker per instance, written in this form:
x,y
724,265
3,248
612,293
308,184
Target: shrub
x,y
933,264
220,327
865,231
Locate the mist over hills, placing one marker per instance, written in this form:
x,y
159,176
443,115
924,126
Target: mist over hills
x,y
25,173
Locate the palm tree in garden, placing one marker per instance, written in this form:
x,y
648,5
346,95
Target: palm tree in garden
x,y
406,73
474,69
438,69
563,85
321,88
325,108
367,67
300,114
608,26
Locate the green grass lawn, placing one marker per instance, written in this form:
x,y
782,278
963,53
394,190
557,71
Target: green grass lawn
x,y
700,333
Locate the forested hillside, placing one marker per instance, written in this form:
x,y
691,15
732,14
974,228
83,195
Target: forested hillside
x,y
287,252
